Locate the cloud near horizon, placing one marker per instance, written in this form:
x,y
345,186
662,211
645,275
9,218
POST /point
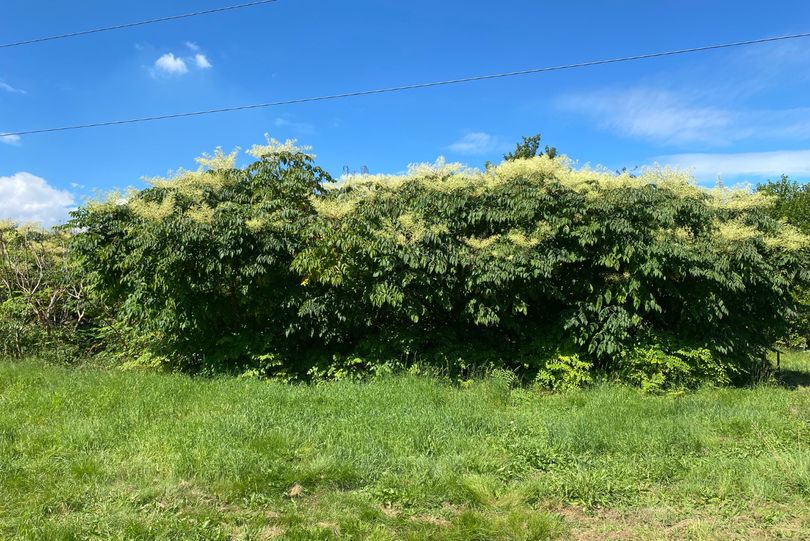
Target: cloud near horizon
x,y
681,118
28,198
735,164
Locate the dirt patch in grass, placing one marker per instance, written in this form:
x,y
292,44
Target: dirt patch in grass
x,y
667,524
430,519
270,532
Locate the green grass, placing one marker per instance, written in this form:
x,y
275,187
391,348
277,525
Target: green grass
x,y
94,454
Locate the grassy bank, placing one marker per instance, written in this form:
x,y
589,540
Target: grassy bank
x,y
113,455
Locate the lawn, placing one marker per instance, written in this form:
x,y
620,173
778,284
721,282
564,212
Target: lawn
x,y
106,454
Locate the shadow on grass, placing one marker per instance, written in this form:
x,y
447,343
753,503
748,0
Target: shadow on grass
x,y
793,378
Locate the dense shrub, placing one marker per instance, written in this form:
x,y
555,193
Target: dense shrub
x,y
791,203
660,364
197,268
227,267
564,372
44,305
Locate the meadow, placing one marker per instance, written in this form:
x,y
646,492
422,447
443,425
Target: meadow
x,y
95,453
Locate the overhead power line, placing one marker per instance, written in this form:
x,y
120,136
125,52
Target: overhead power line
x,y
137,23
409,87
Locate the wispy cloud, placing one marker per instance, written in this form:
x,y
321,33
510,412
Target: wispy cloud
x,y
193,46
300,127
8,88
169,64
655,114
682,118
28,198
773,62
478,143
10,139
202,61
760,164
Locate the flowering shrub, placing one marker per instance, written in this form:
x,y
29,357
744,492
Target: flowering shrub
x,y
223,265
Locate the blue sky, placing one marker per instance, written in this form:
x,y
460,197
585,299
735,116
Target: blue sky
x,y
743,113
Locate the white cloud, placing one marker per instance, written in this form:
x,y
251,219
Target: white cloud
x,y
171,65
711,165
478,143
8,88
176,65
672,118
10,139
771,64
301,127
27,198
202,61
655,114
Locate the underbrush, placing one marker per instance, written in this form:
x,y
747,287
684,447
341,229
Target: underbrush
x,y
652,364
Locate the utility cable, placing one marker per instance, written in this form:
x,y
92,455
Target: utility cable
x,y
137,23
410,87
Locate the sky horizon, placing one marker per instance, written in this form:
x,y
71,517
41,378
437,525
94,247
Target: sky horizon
x,y
740,114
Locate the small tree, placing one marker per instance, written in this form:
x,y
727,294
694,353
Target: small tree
x,y
528,148
792,205
792,201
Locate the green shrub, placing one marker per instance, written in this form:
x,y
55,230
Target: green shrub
x,y
792,205
196,269
45,305
457,268
565,372
657,366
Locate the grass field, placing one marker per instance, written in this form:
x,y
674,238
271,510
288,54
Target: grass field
x,y
94,454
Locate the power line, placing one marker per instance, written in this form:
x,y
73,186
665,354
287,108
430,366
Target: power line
x,y
137,23
411,86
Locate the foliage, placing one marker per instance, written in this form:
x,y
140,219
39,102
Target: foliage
x,y
528,148
44,304
196,268
565,372
217,268
791,201
534,247
792,205
668,366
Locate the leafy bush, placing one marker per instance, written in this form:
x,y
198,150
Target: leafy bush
x,y
44,304
664,366
216,268
792,205
196,269
565,372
